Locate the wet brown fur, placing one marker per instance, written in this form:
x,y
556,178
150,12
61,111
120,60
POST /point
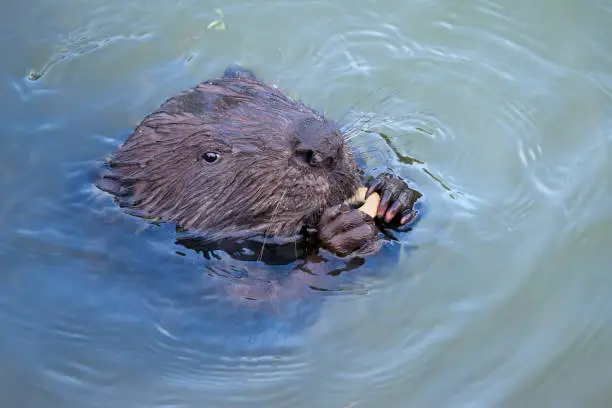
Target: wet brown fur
x,y
259,183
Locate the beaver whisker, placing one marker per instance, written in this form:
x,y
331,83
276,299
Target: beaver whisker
x,y
353,135
359,101
259,258
360,119
376,150
356,131
366,127
365,118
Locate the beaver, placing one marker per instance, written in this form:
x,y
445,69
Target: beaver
x,y
233,157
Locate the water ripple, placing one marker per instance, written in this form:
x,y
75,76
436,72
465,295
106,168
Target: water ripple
x,y
498,112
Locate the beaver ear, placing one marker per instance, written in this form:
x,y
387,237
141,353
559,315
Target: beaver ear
x,y
237,71
110,182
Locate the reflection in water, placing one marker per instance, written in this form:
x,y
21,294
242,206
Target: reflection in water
x,y
119,301
498,110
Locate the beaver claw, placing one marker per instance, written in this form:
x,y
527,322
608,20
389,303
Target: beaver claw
x,y
346,231
396,206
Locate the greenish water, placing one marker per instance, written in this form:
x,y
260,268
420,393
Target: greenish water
x,y
498,298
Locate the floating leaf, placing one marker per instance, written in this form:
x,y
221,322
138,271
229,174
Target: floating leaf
x,y
218,24
213,24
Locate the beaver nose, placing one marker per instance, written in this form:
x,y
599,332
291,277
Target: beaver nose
x,y
314,156
310,157
317,144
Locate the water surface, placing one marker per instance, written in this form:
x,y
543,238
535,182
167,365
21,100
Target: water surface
x,y
499,297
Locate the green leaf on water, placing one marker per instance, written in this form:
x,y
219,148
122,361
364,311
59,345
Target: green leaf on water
x,y
218,24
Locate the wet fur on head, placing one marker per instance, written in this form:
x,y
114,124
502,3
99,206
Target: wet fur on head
x,y
259,184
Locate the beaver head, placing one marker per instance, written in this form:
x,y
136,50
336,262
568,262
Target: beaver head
x,y
233,155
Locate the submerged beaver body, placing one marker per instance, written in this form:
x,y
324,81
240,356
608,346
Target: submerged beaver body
x,y
233,157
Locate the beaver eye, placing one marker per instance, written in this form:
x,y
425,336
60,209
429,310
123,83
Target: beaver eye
x,y
211,157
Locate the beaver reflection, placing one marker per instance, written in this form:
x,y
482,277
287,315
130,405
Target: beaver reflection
x,y
232,158
286,270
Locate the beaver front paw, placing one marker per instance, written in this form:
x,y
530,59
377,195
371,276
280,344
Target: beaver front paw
x,y
346,231
396,207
